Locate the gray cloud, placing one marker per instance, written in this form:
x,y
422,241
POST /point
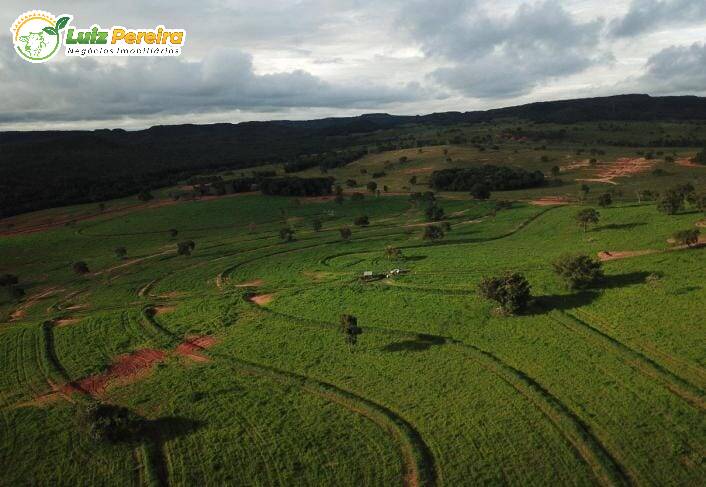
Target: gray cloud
x,y
78,89
493,57
313,58
676,69
645,15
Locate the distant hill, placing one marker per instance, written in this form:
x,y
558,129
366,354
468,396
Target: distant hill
x,y
52,168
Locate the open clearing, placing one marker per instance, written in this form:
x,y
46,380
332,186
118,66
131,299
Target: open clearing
x,y
235,354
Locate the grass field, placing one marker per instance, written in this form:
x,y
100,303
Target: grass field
x,y
597,387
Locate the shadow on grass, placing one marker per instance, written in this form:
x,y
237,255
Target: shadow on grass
x,y
168,428
565,302
419,344
414,258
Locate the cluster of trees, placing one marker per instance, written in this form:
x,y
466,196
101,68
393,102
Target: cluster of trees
x,y
294,186
675,198
494,178
512,290
326,161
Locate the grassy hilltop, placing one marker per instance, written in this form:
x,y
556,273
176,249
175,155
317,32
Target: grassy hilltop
x,y
228,364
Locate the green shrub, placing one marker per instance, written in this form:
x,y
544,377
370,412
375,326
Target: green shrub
x,y
578,271
511,291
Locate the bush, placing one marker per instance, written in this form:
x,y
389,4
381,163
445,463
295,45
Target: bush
x,y
316,224
605,200
372,186
345,233
672,202
286,234
109,423
480,191
511,291
120,252
8,280
186,247
80,268
433,233
145,196
393,253
361,221
586,217
689,237
578,271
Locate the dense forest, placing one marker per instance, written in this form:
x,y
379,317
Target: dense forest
x,y
46,169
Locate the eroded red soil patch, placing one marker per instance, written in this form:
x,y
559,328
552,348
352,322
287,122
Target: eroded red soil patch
x,y
606,172
550,201
21,310
687,162
159,310
125,369
192,347
42,223
66,321
262,299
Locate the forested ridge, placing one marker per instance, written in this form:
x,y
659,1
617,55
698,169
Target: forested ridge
x,y
53,168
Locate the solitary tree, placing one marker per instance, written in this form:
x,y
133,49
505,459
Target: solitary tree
x,y
578,271
700,202
433,233
316,224
361,221
480,191
350,329
186,247
556,170
671,203
586,217
511,291
120,252
393,253
286,234
173,232
81,268
145,196
413,180
585,189
372,186
688,237
345,233
8,280
605,200
434,213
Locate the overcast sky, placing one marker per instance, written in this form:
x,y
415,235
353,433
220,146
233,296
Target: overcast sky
x,y
286,59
